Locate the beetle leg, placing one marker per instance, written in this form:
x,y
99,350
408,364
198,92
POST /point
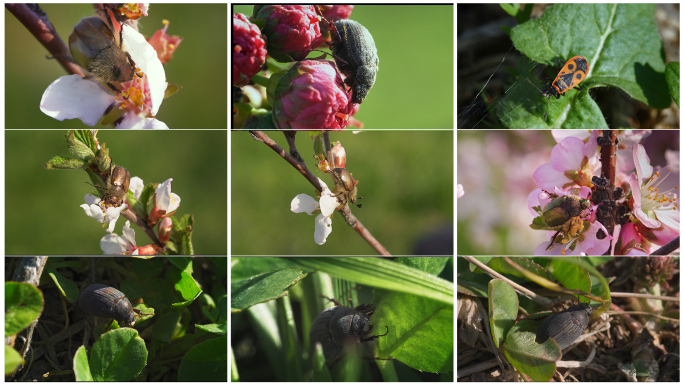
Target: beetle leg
x,y
333,300
351,304
364,307
553,239
552,195
344,199
115,89
376,336
110,323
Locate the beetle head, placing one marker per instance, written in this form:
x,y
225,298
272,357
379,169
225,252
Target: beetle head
x,y
361,325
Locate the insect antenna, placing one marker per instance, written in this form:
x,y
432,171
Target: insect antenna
x,y
540,91
547,100
96,186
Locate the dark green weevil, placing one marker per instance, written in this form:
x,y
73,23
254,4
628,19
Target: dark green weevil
x,y
353,49
564,214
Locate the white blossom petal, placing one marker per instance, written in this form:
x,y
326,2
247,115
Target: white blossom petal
x,y
323,229
303,203
72,97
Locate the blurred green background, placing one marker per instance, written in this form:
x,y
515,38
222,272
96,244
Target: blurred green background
x,y
43,213
199,65
415,47
405,179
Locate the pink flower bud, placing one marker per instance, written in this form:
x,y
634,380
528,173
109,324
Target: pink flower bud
x,y
311,96
249,53
165,230
291,31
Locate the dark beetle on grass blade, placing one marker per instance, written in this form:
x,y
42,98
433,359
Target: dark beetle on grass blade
x,y
566,326
339,328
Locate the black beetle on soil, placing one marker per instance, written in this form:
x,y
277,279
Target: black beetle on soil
x,y
565,326
104,301
339,328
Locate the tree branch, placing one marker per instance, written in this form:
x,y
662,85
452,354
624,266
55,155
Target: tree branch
x,y
667,248
349,218
37,22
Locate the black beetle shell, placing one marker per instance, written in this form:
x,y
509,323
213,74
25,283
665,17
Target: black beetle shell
x,y
104,301
353,43
337,328
566,326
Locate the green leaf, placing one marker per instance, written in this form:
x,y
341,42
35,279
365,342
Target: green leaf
x,y
623,49
207,361
119,355
536,361
500,265
81,366
23,305
381,273
672,76
471,283
521,14
12,360
525,107
503,309
60,162
570,276
262,288
420,331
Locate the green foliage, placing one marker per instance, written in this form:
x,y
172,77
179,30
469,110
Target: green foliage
x,y
23,304
414,308
119,355
172,325
622,46
672,76
516,338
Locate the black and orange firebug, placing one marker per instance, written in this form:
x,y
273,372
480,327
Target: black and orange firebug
x,y
572,73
